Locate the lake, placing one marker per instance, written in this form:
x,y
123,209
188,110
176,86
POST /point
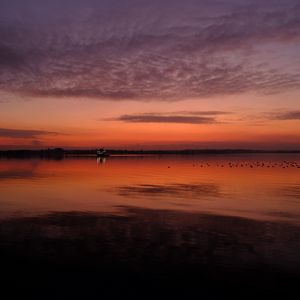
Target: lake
x,y
187,225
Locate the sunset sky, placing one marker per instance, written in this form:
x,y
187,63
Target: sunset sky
x,y
159,74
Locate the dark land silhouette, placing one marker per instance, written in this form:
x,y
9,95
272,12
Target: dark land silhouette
x,y
59,153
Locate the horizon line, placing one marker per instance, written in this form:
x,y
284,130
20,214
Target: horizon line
x,y
151,150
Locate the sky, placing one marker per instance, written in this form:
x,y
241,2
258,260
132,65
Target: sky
x,y
159,74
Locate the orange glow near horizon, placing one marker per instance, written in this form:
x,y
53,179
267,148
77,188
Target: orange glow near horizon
x,y
91,123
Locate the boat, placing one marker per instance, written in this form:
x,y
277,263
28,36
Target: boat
x,y
102,153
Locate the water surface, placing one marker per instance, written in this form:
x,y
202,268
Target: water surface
x,y
185,225
265,187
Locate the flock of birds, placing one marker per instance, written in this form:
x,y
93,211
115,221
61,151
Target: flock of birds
x,y
257,164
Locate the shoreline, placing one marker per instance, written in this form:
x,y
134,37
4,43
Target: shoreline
x,y
61,153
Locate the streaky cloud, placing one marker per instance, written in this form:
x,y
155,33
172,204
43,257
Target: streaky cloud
x,y
24,134
287,115
183,117
204,112
166,119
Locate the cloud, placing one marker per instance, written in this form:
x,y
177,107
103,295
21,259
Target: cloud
x,y
204,112
8,58
288,115
166,119
24,134
163,50
185,117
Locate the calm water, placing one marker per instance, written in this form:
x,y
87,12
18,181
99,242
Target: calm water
x,y
261,187
182,224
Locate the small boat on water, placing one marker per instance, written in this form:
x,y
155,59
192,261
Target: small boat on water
x,y
102,153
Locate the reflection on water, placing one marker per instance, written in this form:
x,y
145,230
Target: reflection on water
x,y
179,224
154,237
101,160
181,190
252,186
149,252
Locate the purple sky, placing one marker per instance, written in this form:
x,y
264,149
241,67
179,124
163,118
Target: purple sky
x,y
176,55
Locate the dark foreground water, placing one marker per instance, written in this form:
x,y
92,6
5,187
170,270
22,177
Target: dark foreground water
x,y
208,227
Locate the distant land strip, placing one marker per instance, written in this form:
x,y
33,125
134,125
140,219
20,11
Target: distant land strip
x,y
61,153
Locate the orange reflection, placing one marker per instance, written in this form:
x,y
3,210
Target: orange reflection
x,y
257,186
